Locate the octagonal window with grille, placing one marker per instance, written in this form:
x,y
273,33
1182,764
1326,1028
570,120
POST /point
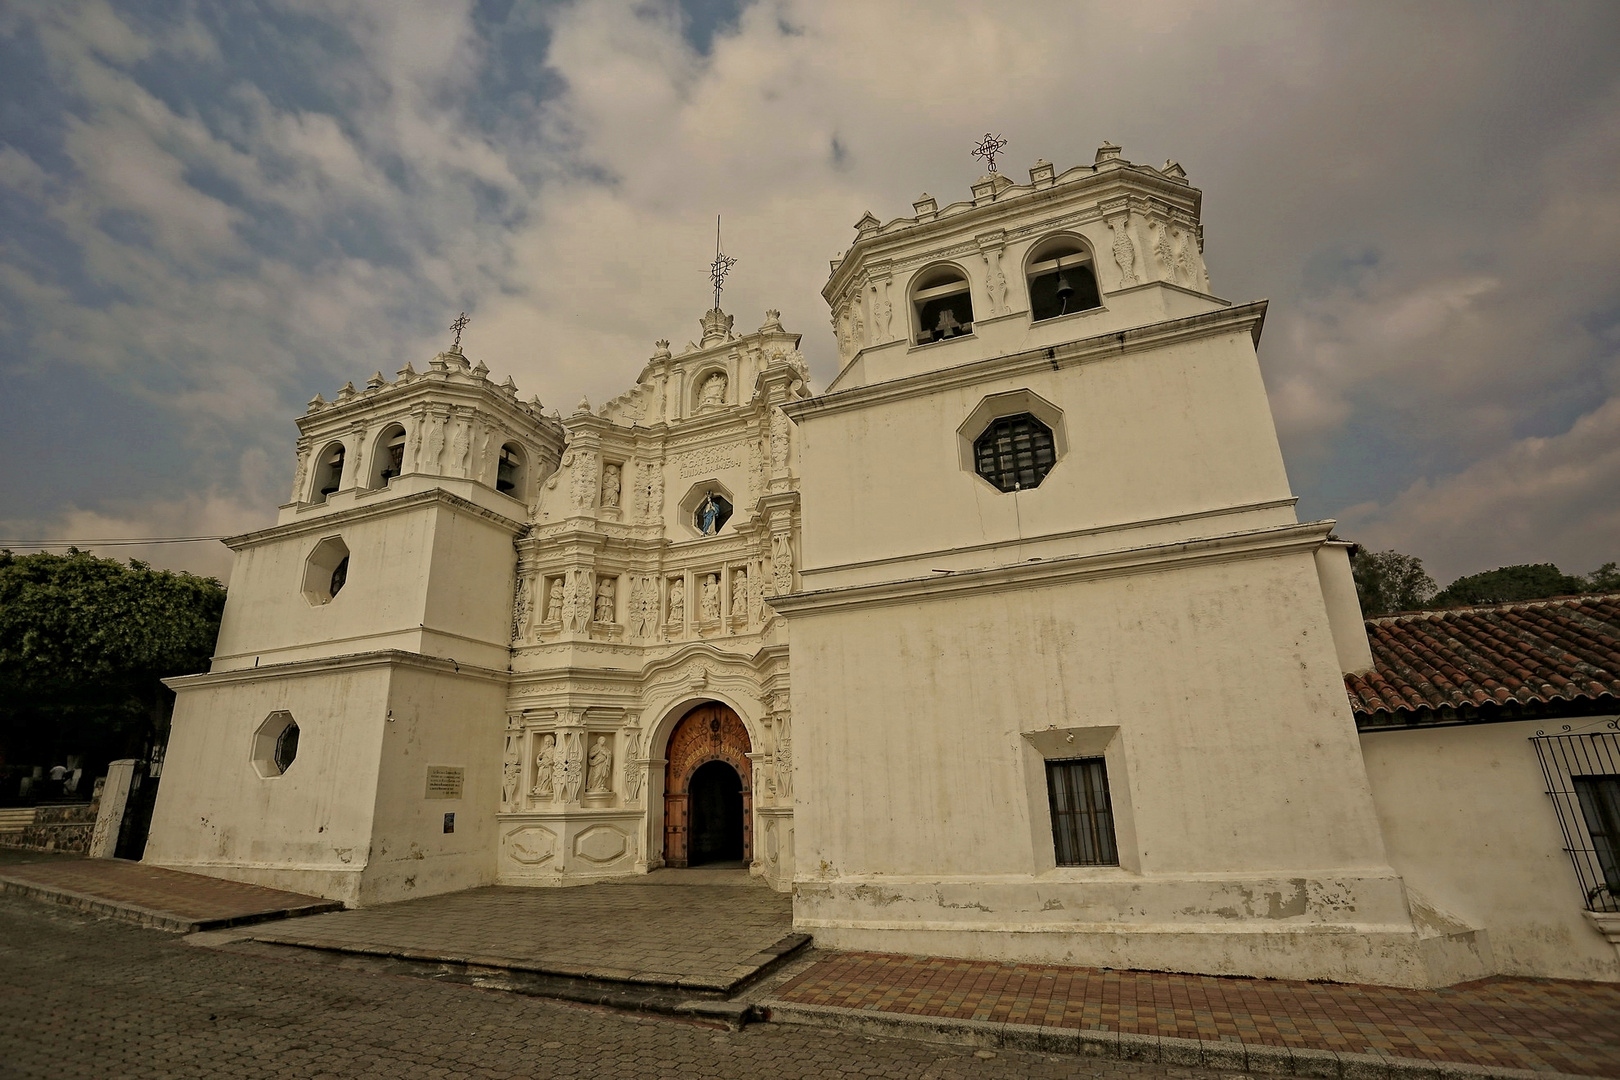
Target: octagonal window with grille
x,y
1015,452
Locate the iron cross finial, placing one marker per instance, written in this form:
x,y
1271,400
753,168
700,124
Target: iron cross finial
x,y
458,326
721,266
988,148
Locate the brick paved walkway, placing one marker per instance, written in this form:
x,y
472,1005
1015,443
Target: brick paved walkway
x,y
704,937
86,998
152,896
1547,1025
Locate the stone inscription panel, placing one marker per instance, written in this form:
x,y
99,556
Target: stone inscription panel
x,y
445,781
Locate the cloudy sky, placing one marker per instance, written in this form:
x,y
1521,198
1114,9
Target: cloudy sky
x,y
211,211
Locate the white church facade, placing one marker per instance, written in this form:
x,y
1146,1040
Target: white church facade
x,y
1007,644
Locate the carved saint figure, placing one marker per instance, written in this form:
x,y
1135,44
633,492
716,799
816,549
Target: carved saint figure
x,y
599,775
739,593
545,769
710,598
714,392
604,601
610,486
708,515
554,603
677,601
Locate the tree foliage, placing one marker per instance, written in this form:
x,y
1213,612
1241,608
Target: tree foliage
x,y
84,642
1525,581
1387,582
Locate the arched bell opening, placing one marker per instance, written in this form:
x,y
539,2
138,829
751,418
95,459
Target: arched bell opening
x,y
708,790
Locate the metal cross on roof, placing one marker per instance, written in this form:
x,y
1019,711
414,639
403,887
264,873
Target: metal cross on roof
x,y
721,266
458,326
988,148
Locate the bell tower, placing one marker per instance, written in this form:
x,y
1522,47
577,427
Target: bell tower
x,y
341,743
1065,683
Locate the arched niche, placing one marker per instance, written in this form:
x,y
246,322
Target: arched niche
x,y
387,456
941,304
1061,277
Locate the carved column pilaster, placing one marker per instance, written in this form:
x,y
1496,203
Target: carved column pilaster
x,y
512,764
571,756
301,475
991,246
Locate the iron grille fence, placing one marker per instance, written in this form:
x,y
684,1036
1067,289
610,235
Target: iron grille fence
x,y
1582,770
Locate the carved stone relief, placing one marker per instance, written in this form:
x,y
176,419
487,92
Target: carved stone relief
x,y
784,756
520,608
1124,250
303,471
713,392
782,563
583,481
779,441
572,767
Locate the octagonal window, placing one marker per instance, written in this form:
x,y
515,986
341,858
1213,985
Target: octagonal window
x,y
326,570
1015,452
275,744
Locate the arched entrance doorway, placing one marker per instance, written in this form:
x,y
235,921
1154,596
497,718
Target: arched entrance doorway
x,y
708,789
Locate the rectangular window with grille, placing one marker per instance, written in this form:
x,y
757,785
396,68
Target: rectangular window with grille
x,y
1599,797
1082,817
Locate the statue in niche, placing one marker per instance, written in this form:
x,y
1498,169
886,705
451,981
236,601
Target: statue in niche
x,y
710,598
677,601
545,769
554,604
708,515
511,776
604,601
714,392
599,775
739,593
610,486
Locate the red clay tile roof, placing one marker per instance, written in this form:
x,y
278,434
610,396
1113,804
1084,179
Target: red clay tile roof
x,y
1533,658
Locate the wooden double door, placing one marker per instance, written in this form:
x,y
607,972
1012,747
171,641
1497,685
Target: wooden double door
x,y
708,790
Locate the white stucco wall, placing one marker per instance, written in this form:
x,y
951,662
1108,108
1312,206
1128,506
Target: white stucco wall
x,y
309,829
889,485
1469,825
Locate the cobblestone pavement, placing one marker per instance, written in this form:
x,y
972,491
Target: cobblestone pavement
x,y
694,934
87,997
1543,1024
166,895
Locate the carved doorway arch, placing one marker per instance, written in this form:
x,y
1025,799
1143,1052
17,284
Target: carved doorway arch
x,y
710,732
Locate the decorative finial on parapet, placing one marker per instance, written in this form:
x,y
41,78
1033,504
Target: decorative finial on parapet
x,y
1107,152
988,148
661,349
458,326
376,382
773,322
584,405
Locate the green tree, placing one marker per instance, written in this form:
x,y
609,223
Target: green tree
x,y
1387,582
1605,578
1524,581
84,642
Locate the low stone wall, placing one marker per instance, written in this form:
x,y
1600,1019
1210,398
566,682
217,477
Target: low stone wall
x,y
64,828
